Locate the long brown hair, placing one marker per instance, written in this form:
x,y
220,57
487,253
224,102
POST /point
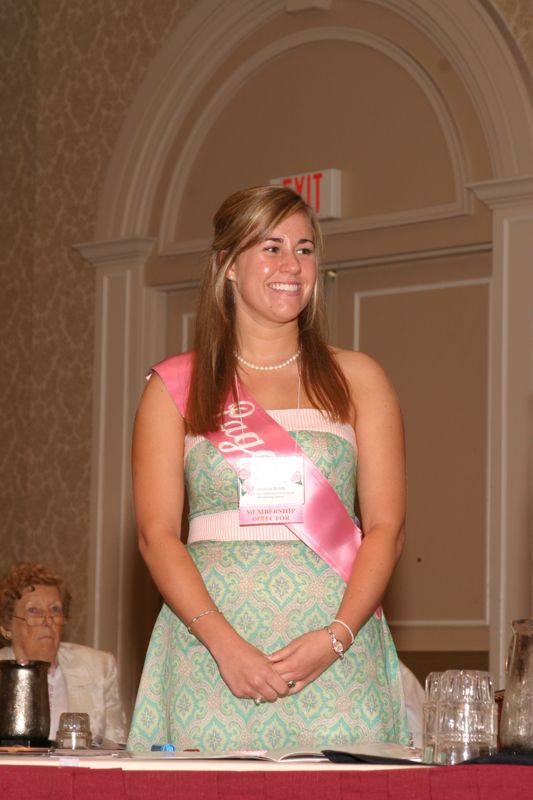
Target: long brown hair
x,y
244,219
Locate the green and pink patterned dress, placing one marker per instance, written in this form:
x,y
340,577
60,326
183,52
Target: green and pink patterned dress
x,y
271,587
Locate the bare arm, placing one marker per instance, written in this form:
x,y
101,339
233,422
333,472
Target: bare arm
x,y
381,488
158,489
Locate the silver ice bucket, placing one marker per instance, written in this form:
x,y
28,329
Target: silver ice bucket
x,y
24,703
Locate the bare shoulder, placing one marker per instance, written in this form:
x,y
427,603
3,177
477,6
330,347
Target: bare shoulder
x,y
157,413
362,372
373,395
156,396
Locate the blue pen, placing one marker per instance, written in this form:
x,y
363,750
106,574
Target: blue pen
x,y
166,747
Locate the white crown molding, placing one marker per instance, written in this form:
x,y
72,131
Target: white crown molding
x,y
415,216
189,151
504,192
411,256
460,208
195,246
134,251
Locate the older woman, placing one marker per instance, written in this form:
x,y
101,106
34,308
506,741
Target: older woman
x,y
34,604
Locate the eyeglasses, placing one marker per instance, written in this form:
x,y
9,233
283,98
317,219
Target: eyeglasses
x,y
34,617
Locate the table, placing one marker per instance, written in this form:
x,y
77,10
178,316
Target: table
x,y
102,778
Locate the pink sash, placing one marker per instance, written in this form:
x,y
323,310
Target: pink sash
x,y
248,430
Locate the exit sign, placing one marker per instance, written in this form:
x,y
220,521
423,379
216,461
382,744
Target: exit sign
x,y
320,189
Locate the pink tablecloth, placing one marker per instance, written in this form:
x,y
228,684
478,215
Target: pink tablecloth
x,y
472,782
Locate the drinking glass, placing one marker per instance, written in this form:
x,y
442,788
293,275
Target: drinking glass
x,y
429,715
466,717
74,731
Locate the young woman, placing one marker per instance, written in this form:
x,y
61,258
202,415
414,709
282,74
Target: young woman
x,y
271,634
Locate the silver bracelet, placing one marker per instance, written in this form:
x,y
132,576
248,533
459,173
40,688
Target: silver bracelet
x,y
347,628
203,614
337,645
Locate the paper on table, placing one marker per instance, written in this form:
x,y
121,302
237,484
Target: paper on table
x,y
380,749
242,755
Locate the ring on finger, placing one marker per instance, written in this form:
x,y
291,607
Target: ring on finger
x,y
258,701
291,684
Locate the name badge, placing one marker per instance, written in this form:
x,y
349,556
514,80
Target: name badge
x,y
271,490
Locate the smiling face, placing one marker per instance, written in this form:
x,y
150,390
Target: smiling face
x,y
274,279
40,642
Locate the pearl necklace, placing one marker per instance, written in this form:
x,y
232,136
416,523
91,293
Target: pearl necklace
x,y
249,364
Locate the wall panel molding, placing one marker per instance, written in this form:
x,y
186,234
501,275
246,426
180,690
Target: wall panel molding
x,y
120,348
412,288
511,465
413,632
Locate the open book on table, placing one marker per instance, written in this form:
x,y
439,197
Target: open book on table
x,y
379,750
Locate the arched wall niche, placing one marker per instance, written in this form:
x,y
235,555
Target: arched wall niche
x,y
334,115
476,91
467,38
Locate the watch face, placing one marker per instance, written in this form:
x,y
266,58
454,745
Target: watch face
x,y
338,647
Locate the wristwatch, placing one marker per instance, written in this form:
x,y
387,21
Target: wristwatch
x,y
337,645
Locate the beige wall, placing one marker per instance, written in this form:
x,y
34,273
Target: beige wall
x,y
18,118
517,15
72,69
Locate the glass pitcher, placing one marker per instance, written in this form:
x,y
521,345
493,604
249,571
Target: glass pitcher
x,y
516,727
